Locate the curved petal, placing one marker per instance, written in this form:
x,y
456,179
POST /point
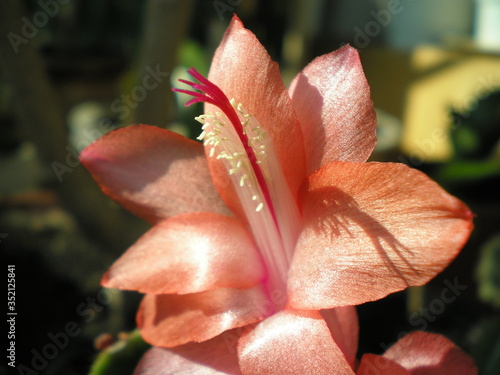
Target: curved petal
x,y
153,172
169,319
243,69
291,343
212,357
372,364
189,253
430,354
343,325
332,100
371,229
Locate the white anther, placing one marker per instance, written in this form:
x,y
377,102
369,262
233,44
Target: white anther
x,y
242,180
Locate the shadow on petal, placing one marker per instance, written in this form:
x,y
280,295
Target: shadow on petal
x,y
314,134
371,229
342,216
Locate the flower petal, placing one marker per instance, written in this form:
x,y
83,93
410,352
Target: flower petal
x,y
243,69
169,319
343,325
189,253
212,357
372,364
332,100
430,354
153,172
371,229
291,343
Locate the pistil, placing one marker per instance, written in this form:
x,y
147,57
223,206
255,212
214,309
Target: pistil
x,y
214,95
236,138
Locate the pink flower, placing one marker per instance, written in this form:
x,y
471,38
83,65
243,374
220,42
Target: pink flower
x,y
279,216
419,353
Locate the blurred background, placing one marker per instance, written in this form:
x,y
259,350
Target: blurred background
x,y
72,70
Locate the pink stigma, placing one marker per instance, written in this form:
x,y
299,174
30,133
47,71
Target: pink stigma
x,y
212,94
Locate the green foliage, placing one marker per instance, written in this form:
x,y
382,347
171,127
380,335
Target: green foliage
x,y
476,133
488,272
190,54
122,357
193,54
486,352
457,171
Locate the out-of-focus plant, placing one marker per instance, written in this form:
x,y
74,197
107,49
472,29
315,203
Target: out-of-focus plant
x,y
476,133
487,272
120,357
475,138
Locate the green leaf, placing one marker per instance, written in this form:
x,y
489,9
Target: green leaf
x,y
122,357
486,350
193,54
488,272
459,171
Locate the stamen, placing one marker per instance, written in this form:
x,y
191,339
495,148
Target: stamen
x,y
236,138
242,182
212,94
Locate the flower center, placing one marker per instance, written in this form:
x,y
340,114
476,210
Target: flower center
x,y
237,139
224,140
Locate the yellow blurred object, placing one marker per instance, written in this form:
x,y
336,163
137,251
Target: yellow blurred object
x,y
446,80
